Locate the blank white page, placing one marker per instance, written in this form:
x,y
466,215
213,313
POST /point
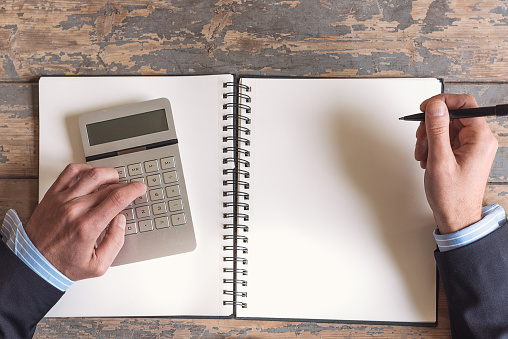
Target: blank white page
x,y
339,224
183,284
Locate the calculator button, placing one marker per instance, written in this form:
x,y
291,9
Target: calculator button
x,y
156,194
151,166
142,211
128,213
141,199
162,222
145,225
178,219
153,180
121,172
167,163
138,179
135,169
130,228
170,177
159,208
123,181
173,191
175,205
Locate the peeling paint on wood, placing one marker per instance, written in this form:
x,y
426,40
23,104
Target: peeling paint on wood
x,y
499,172
496,194
438,38
222,328
19,139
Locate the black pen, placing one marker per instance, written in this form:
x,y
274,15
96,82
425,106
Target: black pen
x,y
499,110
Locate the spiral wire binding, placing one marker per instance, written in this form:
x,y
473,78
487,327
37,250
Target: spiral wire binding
x,y
239,139
240,237
230,116
241,271
244,228
236,189
242,204
245,173
240,95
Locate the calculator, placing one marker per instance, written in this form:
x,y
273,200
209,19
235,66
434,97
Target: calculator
x,y
140,142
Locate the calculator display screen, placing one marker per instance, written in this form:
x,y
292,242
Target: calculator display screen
x,y
127,127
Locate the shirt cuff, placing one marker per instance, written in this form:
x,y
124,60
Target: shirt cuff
x,y
493,217
14,236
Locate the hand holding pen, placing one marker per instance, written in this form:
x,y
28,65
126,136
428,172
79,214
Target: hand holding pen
x,y
461,113
457,156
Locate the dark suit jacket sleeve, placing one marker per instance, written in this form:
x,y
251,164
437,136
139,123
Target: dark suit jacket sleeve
x,y
475,280
25,297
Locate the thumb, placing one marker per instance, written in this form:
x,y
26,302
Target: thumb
x,y
437,123
111,244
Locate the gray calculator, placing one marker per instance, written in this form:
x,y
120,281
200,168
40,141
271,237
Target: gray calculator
x,y
139,141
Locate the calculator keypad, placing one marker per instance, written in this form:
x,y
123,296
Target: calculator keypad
x,y
129,215
142,199
156,194
161,206
178,219
151,166
170,177
135,169
162,222
167,163
145,225
142,212
173,191
130,228
153,180
121,172
158,223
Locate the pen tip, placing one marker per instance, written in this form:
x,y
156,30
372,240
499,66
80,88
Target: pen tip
x,y
401,118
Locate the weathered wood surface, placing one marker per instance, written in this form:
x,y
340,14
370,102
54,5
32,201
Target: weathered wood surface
x,y
208,329
18,194
19,131
464,42
455,39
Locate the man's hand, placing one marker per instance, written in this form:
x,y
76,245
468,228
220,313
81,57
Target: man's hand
x,y
66,224
457,158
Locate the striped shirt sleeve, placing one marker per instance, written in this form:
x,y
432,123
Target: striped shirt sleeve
x,y
493,217
13,235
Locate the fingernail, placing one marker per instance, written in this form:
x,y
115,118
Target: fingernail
x,y
120,221
436,108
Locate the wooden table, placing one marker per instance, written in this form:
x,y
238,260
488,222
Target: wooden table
x,y
463,42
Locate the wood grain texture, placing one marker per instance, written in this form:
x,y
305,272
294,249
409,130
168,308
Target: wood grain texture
x,y
461,41
19,131
18,194
455,39
208,329
496,194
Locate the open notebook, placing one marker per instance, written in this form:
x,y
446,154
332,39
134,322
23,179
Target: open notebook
x,y
327,219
